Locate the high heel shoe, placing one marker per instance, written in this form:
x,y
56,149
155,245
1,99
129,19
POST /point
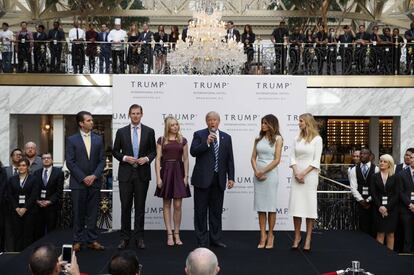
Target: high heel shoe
x,y
307,249
296,247
170,239
270,242
177,239
262,243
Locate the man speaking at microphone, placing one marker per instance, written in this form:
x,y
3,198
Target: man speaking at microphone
x,y
214,168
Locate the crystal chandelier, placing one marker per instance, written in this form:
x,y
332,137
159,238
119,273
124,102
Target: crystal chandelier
x,y
206,50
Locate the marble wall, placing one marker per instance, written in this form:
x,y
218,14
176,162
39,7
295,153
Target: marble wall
x,y
320,101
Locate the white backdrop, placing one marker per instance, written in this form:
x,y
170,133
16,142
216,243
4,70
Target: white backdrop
x,y
241,101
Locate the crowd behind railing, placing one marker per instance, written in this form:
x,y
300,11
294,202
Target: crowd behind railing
x,y
314,51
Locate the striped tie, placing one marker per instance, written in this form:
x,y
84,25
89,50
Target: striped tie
x,y
216,152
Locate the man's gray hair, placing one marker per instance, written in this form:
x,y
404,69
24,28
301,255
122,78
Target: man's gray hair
x,y
212,114
30,144
202,261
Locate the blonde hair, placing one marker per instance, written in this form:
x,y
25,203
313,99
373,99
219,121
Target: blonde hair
x,y
169,120
388,158
311,130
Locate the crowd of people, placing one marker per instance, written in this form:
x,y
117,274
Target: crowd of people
x,y
144,51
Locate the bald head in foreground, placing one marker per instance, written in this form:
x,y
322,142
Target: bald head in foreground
x,y
202,261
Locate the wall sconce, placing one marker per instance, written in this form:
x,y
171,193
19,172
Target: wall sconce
x,y
46,127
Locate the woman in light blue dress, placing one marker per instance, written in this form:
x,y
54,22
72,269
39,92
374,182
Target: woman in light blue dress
x,y
267,151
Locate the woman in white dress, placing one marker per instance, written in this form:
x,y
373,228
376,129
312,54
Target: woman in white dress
x,y
266,156
305,163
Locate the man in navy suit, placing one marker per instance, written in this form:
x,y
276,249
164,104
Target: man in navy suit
x,y
51,181
135,149
145,39
214,168
105,53
85,159
407,160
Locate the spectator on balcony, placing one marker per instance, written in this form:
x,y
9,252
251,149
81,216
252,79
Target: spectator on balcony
x,y
332,52
174,36
398,42
91,46
24,48
185,30
77,38
296,39
22,191
409,35
385,193
407,161
405,181
346,39
50,181
386,45
232,32
160,50
56,37
39,52
248,38
375,63
6,38
279,36
30,152
104,50
321,42
309,51
133,49
117,37
360,178
145,59
362,38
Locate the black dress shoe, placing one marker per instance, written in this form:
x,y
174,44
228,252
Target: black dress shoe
x,y
141,244
123,244
219,244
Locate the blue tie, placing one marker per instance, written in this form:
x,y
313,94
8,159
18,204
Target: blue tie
x,y
135,143
364,169
45,178
216,152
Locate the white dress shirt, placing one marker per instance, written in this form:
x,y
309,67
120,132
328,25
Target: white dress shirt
x,y
117,36
6,37
354,182
73,35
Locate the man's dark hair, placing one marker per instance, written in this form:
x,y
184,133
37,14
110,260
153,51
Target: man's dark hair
x,y
43,259
134,106
346,27
5,24
411,150
366,149
42,27
80,117
23,22
14,150
124,263
230,22
361,26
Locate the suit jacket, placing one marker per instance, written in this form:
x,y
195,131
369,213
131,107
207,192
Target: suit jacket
x,y
184,34
3,187
399,168
390,189
236,35
147,39
123,147
54,187
203,171
78,163
406,186
30,190
9,171
105,47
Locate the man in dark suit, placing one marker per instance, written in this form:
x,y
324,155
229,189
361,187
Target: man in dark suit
x,y
405,181
214,167
39,49
145,39
85,159
105,53
56,37
185,31
15,156
232,32
51,181
407,161
135,149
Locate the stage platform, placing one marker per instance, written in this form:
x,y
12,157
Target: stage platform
x,y
331,250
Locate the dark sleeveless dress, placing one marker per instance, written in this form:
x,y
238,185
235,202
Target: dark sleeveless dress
x,y
172,171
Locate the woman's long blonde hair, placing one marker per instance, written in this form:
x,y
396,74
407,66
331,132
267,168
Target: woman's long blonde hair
x,y
388,158
311,130
167,124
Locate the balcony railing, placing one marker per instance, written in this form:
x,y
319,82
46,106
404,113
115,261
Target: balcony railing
x,y
263,58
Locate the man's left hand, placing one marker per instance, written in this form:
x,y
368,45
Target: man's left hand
x,y
230,184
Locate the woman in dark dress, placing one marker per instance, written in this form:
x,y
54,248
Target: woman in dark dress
x,y
171,168
248,38
91,47
160,50
384,192
174,36
23,190
133,45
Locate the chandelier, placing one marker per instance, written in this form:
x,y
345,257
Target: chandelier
x,y
206,50
220,5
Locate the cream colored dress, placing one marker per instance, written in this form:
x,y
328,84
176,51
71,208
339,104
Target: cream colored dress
x,y
303,196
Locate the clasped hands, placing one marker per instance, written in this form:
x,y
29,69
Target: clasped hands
x,y
411,207
383,211
139,161
89,180
43,203
299,176
21,211
260,175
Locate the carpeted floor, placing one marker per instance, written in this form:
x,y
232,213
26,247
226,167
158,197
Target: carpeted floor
x,y
331,250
